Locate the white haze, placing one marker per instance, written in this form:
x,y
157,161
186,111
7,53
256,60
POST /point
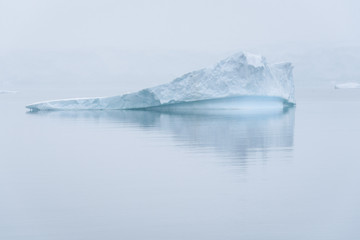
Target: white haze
x,y
129,45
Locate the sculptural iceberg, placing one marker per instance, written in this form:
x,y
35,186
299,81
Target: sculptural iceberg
x,y
243,74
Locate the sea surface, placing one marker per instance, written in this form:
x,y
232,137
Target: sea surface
x,y
287,174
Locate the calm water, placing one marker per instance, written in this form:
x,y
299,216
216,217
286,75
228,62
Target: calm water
x,y
291,174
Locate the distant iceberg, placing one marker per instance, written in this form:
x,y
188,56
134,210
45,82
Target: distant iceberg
x,y
347,85
6,92
243,74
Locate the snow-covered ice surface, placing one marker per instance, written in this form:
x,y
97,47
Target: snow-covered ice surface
x,y
347,85
242,74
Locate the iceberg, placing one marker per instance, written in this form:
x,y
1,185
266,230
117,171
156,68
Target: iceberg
x,y
240,75
6,92
347,85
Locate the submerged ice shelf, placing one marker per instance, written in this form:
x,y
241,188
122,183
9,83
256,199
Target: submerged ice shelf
x,y
243,74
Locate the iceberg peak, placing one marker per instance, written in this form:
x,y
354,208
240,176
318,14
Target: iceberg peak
x,y
242,74
246,58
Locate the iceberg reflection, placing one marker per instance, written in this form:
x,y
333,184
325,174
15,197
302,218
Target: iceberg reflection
x,y
233,134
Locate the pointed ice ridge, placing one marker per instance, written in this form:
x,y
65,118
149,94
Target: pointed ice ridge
x,y
242,74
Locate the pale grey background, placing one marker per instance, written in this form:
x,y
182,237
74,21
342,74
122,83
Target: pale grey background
x,y
136,44
292,174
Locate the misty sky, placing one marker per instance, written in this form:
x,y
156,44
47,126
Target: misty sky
x,y
137,44
188,25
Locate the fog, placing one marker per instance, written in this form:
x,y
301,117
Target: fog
x,y
236,171
136,44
